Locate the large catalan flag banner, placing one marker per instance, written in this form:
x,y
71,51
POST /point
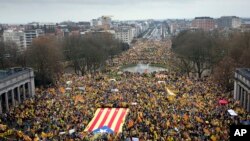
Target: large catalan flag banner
x,y
107,120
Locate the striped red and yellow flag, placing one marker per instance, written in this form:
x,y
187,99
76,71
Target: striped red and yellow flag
x,y
113,118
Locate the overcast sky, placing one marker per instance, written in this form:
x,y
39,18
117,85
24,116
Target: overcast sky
x,y
23,11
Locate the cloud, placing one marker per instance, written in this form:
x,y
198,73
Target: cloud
x,y
92,2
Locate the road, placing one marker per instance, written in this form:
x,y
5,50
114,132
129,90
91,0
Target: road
x,y
154,34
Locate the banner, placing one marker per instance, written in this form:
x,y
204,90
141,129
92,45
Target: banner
x,y
107,120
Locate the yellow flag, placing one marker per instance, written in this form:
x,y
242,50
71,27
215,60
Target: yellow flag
x,y
62,90
198,119
206,131
44,135
213,138
130,123
185,117
168,123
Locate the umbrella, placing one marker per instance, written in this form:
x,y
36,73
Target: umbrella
x,y
68,89
71,131
114,90
223,102
81,88
69,82
232,112
132,139
246,122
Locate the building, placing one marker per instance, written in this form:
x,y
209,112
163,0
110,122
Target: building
x,y
204,23
16,36
103,22
242,87
124,34
107,34
23,39
16,85
84,25
176,26
229,22
31,34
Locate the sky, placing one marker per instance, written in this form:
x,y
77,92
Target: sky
x,y
24,11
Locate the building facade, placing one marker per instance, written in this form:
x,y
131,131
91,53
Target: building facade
x,y
124,34
31,34
104,22
16,36
16,85
204,23
242,87
229,22
23,39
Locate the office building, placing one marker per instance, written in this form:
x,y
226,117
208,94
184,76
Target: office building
x,y
31,34
16,36
204,23
229,22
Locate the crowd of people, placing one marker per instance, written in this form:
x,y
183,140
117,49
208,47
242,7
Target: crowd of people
x,y
191,112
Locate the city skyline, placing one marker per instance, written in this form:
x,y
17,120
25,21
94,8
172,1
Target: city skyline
x,y
25,11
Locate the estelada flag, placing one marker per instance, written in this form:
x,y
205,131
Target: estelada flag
x,y
107,120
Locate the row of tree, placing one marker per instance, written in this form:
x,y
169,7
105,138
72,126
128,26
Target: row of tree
x,y
216,53
49,56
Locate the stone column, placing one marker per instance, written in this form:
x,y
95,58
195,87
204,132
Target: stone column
x,y
32,87
6,101
29,89
18,94
12,97
24,92
241,96
245,100
1,109
235,90
238,92
248,102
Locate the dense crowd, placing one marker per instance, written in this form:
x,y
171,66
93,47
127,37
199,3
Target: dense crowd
x,y
192,112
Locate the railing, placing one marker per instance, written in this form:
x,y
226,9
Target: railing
x,y
15,77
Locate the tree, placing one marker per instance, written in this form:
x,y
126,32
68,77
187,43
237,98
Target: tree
x,y
236,49
90,53
224,73
8,55
44,57
196,50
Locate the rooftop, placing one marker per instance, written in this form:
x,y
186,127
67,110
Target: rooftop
x,y
203,18
8,72
244,72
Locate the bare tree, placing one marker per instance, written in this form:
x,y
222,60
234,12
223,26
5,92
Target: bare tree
x,y
89,54
237,55
45,56
195,50
8,55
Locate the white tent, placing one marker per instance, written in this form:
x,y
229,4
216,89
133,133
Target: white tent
x,y
61,133
81,88
119,72
134,103
68,89
232,112
133,139
112,80
114,90
71,131
161,82
69,82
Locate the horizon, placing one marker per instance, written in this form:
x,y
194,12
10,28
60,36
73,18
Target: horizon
x,y
55,11
44,22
